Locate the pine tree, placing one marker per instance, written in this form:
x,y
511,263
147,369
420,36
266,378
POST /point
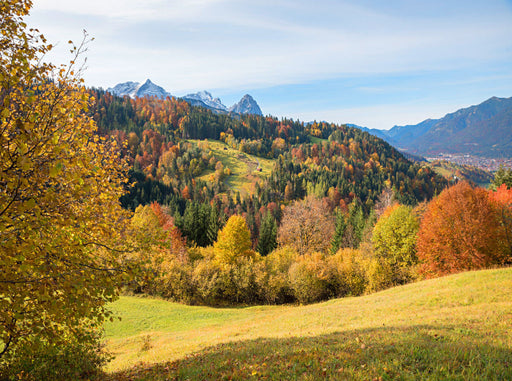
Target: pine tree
x,y
355,225
267,240
339,232
213,225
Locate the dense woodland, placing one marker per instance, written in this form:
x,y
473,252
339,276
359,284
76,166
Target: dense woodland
x,y
346,166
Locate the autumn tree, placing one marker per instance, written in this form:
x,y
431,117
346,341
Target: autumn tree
x,y
60,182
394,241
503,197
461,230
233,242
161,254
502,176
307,226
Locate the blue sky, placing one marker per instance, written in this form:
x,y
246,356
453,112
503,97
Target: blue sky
x,y
372,63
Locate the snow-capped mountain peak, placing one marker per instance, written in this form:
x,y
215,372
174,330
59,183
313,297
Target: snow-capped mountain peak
x,y
247,105
126,88
135,89
206,98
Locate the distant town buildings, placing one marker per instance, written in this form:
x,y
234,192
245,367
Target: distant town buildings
x,y
487,164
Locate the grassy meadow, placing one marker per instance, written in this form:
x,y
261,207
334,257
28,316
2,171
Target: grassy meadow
x,y
243,166
457,327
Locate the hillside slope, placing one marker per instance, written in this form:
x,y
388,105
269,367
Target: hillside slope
x,y
457,327
484,129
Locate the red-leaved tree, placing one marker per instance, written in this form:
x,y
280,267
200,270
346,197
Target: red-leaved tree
x,y
462,229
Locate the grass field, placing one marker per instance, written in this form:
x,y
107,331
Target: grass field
x,y
244,173
457,328
314,139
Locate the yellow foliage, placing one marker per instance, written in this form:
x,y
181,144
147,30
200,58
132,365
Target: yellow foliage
x,y
60,219
234,242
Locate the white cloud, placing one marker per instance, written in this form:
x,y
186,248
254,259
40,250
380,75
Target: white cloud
x,y
190,45
129,10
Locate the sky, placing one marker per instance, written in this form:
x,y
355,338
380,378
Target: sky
x,y
368,62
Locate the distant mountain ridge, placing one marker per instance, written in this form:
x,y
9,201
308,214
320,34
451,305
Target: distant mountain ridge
x,y
247,104
135,89
481,130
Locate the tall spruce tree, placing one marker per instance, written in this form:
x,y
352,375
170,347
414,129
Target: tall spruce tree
x,y
339,232
267,240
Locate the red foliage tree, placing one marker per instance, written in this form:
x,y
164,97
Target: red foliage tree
x,y
461,230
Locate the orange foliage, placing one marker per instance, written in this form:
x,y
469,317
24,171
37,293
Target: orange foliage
x,y
503,195
186,193
461,230
177,243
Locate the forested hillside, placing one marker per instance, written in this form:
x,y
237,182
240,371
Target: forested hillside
x,y
343,165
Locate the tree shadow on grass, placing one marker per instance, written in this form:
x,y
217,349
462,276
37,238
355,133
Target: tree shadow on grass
x,y
412,353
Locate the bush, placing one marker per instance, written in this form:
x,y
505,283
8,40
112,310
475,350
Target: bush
x,y
348,267
36,360
206,282
309,278
272,278
380,275
175,281
238,281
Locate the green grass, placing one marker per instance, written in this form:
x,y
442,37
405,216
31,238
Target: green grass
x,y
314,139
244,173
456,328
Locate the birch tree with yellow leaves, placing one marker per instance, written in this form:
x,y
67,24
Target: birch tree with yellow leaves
x,y
60,181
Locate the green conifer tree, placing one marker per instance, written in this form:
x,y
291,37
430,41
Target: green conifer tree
x,y
267,240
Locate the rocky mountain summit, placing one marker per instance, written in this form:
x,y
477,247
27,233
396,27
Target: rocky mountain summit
x,y
247,105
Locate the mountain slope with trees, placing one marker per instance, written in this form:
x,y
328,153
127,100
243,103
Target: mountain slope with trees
x,y
481,130
344,165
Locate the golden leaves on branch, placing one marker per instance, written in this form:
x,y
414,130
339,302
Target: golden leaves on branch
x,y
61,224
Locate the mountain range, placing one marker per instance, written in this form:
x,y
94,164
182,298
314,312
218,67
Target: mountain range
x,y
247,104
482,130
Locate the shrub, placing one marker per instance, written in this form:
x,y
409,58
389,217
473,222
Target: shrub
x,y
380,275
175,281
238,281
348,267
272,278
79,358
206,282
309,278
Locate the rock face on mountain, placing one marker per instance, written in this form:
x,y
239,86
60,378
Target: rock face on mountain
x,y
205,99
135,89
247,105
